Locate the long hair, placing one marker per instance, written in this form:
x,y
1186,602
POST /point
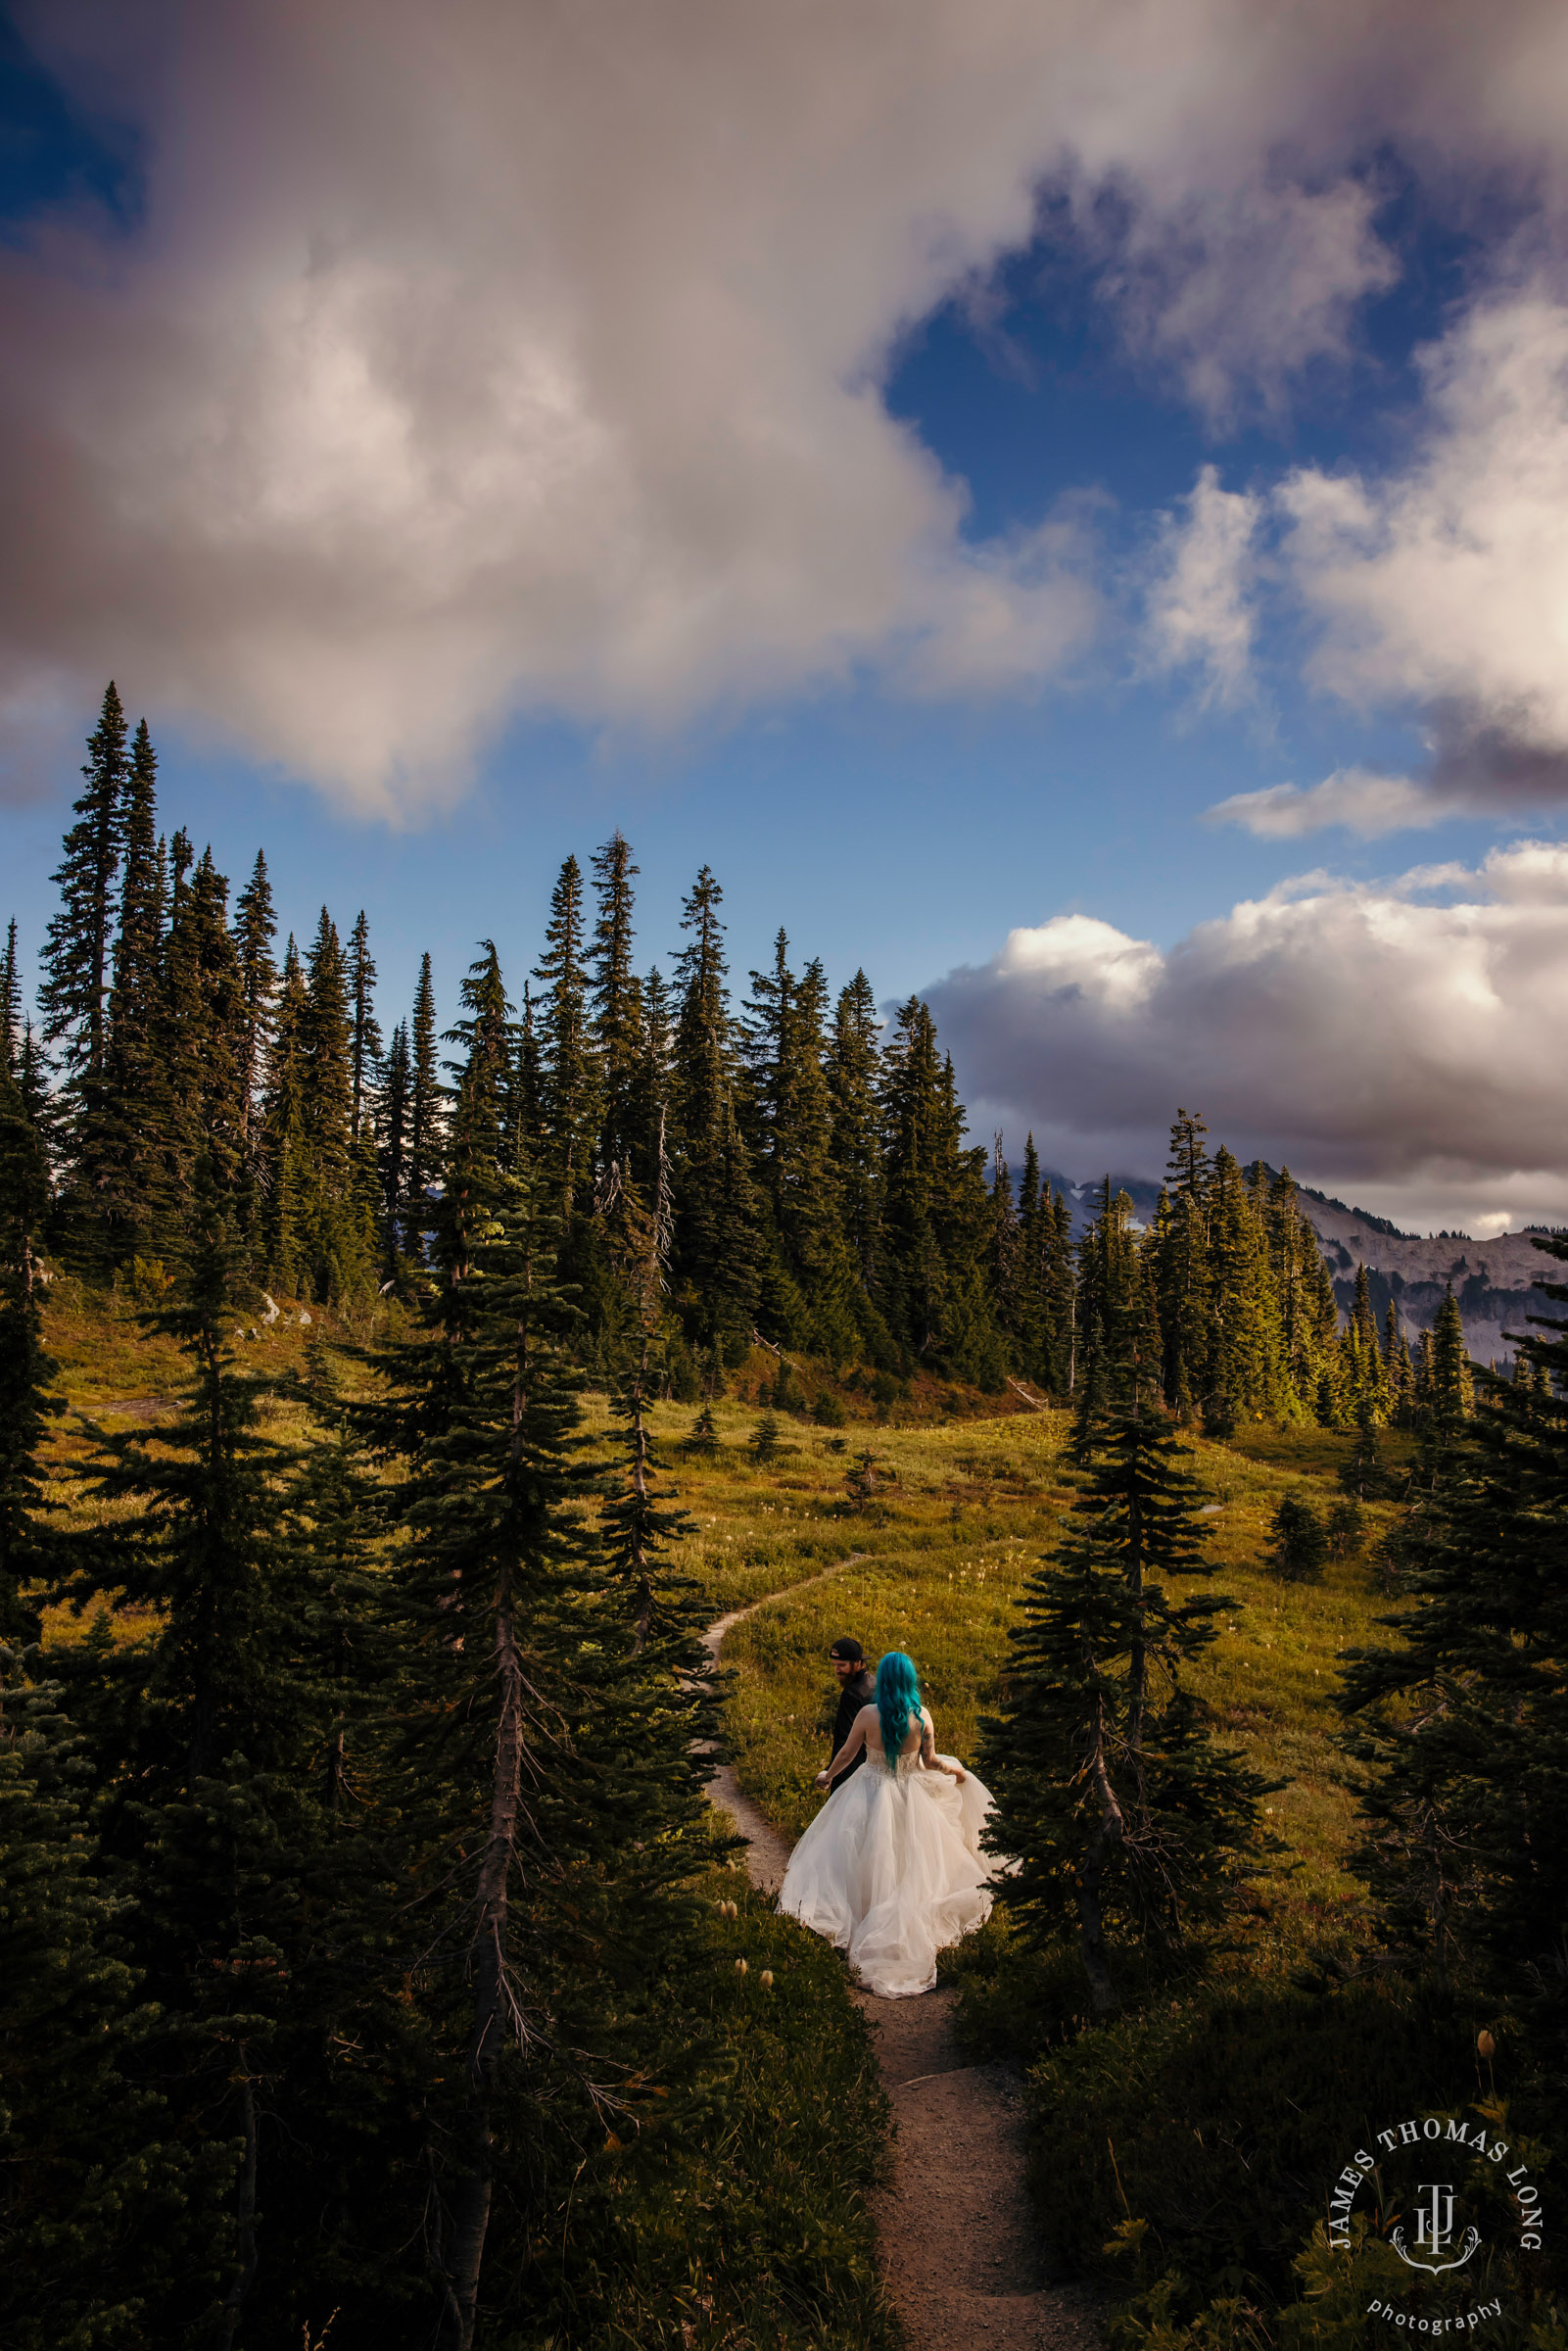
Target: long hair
x,y
897,1699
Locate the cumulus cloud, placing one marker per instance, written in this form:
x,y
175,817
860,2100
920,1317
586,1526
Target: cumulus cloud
x,y
1361,802
1444,585
1388,1040
494,357
1441,588
1238,290
1201,608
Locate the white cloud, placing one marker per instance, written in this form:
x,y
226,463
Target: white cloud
x,y
1364,803
493,356
1238,290
1383,1038
1200,606
1445,585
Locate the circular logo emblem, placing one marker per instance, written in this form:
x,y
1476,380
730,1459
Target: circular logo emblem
x,y
1435,2213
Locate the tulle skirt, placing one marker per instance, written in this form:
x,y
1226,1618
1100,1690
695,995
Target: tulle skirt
x,y
891,1872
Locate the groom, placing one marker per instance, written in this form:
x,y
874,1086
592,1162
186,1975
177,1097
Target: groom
x,y
856,1689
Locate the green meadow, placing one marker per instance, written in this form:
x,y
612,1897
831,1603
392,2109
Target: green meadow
x,y
1179,2151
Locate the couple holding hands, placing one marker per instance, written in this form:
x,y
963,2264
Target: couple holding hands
x,y
891,1869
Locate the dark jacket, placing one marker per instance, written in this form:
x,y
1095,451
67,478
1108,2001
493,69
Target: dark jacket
x,y
857,1692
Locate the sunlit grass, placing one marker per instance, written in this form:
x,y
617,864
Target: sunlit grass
x,y
961,1517
961,1511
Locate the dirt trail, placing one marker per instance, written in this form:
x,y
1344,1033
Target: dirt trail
x,y
956,2238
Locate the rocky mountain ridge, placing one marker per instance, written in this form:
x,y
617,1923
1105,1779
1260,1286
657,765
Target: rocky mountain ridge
x,y
1497,1282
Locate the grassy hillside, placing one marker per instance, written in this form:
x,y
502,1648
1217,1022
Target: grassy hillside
x,y
749,2225
1195,2134
1183,2150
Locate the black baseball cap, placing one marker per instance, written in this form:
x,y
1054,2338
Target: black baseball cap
x,y
850,1651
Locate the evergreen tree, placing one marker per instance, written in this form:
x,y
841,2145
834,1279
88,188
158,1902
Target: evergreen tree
x,y
1118,1367
1365,1375
254,928
1029,1319
1300,1287
199,1109
108,2226
651,1111
717,1216
364,1047
33,1076
284,1148
719,1243
26,1401
120,1131
1461,1715
10,1005
570,1077
1245,1375
1399,1374
853,1074
337,1238
1421,1380
344,1659
224,1736
916,1278
615,995
1184,1271
1299,1547
792,1133
197,1555
532,1734
393,1149
425,1117
522,1112
1363,1476
1451,1397
74,993
637,1528
1061,1299
702,1059
484,1037
1007,1262
1116,1802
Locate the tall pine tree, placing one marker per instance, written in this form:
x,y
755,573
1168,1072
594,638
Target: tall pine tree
x,y
75,993
1119,1809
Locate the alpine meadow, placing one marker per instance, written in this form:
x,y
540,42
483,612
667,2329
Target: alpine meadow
x,y
386,1413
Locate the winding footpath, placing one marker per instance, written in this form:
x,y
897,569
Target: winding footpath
x,y
961,2258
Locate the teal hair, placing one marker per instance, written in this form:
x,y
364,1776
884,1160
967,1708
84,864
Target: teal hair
x,y
897,1699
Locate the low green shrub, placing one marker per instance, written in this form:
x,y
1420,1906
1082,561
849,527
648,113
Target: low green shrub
x,y
1216,2119
751,2226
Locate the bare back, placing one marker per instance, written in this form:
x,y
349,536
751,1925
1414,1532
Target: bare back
x,y
920,1739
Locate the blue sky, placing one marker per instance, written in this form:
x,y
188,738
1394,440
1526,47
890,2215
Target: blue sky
x,y
920,490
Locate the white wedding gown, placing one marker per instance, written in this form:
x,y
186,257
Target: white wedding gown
x,y
892,1870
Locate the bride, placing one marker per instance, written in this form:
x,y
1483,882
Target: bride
x,y
890,1870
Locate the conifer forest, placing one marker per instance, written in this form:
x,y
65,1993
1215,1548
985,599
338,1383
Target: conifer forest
x,y
359,1973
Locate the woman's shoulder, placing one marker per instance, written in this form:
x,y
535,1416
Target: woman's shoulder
x,y
868,1712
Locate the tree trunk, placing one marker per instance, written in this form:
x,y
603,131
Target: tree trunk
x,y
245,2217
493,2005
1091,1874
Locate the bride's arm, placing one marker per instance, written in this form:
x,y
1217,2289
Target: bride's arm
x,y
929,1760
847,1752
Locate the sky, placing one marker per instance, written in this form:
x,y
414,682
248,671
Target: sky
x,y
1060,504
